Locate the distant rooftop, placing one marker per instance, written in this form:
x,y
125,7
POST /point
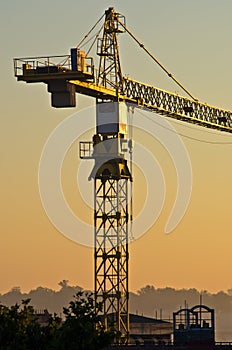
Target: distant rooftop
x,y
143,319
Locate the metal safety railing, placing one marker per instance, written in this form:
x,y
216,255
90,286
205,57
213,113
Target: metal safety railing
x,y
35,63
86,150
49,65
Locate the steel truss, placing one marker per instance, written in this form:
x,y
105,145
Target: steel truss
x,y
110,73
111,252
178,107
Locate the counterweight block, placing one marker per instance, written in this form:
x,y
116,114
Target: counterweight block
x,y
63,93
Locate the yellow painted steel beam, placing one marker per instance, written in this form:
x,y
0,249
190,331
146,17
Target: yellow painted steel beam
x,y
142,95
92,89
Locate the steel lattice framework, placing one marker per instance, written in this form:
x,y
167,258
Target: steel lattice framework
x,y
178,107
111,251
111,196
110,73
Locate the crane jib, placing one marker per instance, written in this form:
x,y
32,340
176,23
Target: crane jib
x,y
178,107
160,101
163,102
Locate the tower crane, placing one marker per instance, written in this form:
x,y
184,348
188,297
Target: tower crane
x,y
111,173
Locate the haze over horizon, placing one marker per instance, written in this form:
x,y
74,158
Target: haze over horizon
x,y
192,40
148,301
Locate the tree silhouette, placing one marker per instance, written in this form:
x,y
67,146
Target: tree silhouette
x,y
19,328
82,328
63,283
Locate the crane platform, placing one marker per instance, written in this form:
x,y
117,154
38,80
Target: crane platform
x,y
43,69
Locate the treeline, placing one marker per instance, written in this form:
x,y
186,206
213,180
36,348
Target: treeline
x,y
148,301
43,298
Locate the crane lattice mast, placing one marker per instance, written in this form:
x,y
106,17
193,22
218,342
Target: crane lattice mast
x,y
111,174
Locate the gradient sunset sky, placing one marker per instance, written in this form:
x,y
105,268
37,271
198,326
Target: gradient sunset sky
x,y
193,40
